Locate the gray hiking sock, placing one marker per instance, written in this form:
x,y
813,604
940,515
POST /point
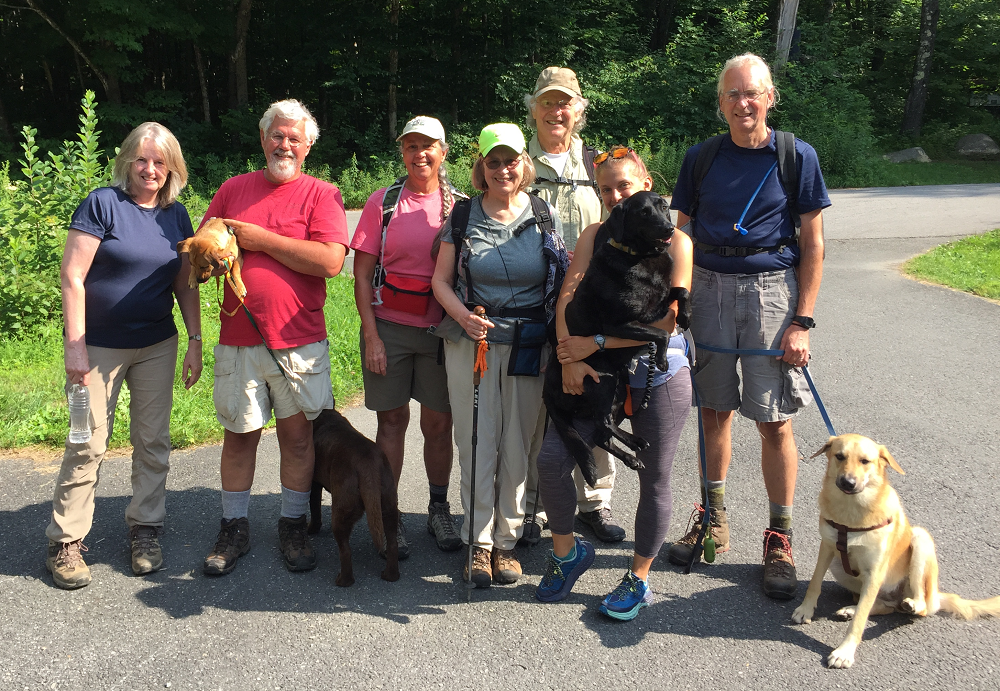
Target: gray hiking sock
x,y
294,504
781,516
717,494
235,504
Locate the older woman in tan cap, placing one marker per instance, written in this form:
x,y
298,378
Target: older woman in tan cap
x,y
565,179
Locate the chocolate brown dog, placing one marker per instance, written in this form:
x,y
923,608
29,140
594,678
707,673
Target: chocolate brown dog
x,y
355,471
213,248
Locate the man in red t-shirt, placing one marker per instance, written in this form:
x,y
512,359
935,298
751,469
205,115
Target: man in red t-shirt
x,y
292,233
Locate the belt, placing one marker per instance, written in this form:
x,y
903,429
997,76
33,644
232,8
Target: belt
x,y
729,251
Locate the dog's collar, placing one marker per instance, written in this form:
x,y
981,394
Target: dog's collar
x,y
620,246
842,531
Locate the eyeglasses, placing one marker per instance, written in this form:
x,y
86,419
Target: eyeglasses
x,y
278,139
563,104
494,163
617,152
735,95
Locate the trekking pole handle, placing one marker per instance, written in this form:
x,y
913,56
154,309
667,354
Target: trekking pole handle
x,y
480,312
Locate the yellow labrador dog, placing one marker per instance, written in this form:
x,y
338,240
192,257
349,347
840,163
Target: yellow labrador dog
x,y
871,549
212,248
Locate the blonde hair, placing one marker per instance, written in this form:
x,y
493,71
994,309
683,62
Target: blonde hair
x,y
741,61
290,109
168,147
479,172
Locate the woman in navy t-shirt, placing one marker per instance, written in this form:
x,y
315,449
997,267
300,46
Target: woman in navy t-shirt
x,y
120,274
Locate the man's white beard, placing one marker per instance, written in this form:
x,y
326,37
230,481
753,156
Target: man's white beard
x,y
281,168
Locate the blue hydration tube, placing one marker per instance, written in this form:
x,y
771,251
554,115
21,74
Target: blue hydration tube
x,y
738,226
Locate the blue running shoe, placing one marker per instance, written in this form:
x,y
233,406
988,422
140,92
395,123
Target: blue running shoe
x,y
627,599
561,575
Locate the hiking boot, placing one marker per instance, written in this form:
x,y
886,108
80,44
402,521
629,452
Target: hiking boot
x,y
402,546
506,567
680,552
482,573
295,545
147,556
780,580
65,563
625,601
560,576
531,535
603,524
441,525
233,542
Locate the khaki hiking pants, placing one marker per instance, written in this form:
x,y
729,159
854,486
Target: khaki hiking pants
x,y
150,375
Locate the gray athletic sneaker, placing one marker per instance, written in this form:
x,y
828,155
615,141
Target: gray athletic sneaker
x,y
441,525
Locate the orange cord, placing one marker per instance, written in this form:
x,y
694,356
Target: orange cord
x,y
480,366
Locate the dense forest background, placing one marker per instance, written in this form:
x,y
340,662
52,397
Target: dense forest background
x,y
208,68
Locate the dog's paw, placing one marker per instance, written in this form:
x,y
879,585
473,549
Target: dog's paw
x,y
803,614
845,613
345,580
391,575
911,606
842,657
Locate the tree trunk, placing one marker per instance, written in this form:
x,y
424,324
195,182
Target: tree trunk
x,y
202,83
5,131
393,65
913,114
786,30
238,95
664,16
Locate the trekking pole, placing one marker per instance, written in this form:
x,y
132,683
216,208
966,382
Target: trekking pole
x,y
478,367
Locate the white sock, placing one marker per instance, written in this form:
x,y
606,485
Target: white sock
x,y
294,504
235,504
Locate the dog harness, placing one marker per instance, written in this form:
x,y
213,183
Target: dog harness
x,y
842,531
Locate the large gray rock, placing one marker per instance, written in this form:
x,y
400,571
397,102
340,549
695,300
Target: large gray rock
x,y
979,147
915,154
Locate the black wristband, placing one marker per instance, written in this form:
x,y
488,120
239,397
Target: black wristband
x,y
804,322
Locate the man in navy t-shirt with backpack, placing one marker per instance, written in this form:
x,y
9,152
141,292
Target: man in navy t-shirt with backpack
x,y
754,199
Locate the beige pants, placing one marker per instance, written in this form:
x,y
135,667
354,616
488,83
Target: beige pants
x,y
508,411
150,375
587,498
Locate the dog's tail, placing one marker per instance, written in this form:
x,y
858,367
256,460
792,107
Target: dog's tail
x,y
970,609
378,494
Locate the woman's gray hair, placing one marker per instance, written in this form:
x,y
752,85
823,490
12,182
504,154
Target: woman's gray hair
x,y
736,63
579,105
447,198
168,146
290,109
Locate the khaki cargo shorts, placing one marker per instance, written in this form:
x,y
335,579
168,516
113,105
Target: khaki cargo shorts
x,y
412,369
248,385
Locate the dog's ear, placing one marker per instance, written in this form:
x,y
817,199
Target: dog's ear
x,y
826,447
182,246
884,454
616,223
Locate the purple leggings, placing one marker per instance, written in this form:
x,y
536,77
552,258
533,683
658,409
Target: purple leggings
x,y
660,424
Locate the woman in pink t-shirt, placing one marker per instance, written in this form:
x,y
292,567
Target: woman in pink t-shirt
x,y
392,274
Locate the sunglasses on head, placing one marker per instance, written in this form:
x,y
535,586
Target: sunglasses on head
x,y
616,152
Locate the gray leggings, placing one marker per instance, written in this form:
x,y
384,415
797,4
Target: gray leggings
x,y
660,424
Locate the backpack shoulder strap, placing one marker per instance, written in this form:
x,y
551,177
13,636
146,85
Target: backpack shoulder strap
x,y
540,209
706,155
789,172
460,221
390,200
589,154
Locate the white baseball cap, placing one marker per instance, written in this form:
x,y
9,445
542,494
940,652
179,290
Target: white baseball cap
x,y
425,125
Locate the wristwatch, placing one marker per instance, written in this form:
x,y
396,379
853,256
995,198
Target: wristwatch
x,y
804,322
599,340
196,337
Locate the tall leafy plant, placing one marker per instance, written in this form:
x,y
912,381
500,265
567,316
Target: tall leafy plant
x,y
35,214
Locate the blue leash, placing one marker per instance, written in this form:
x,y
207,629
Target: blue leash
x,y
706,517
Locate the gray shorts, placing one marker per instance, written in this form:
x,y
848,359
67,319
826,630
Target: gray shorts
x,y
746,311
411,371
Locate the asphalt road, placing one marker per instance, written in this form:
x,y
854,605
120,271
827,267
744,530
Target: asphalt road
x,y
914,366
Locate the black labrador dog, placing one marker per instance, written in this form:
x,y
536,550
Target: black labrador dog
x,y
626,288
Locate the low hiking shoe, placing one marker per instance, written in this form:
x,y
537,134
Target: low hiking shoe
x,y
441,524
147,556
402,546
604,525
531,534
482,572
625,601
65,563
560,576
780,580
680,552
293,540
506,567
233,542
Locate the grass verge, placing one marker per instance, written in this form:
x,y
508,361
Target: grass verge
x,y
940,173
33,406
971,265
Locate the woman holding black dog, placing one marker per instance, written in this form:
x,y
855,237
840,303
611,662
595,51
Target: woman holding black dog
x,y
502,251
120,274
392,269
619,174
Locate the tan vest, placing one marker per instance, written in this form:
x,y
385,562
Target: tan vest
x,y
577,205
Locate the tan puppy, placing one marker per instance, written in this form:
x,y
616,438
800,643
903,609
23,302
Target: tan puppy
x,y
213,248
888,564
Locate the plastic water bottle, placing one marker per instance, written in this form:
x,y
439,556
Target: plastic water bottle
x,y
79,414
